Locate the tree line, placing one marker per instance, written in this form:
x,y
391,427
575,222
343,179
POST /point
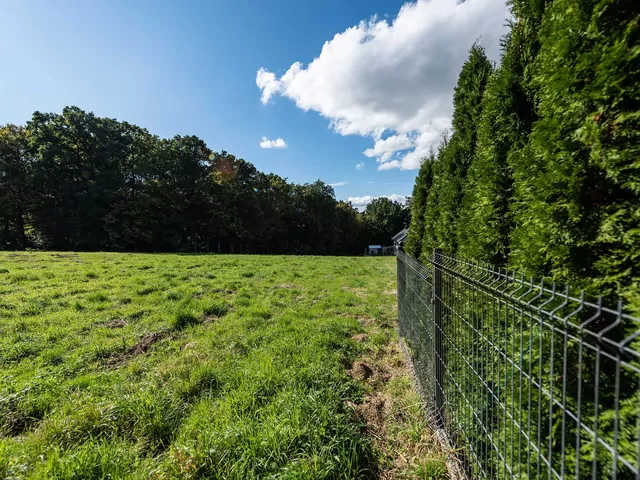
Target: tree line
x,y
76,181
541,171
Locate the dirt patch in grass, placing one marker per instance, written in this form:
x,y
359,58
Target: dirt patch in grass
x,y
391,411
359,292
146,342
373,373
143,346
363,320
68,256
374,411
117,323
360,338
206,319
361,371
18,256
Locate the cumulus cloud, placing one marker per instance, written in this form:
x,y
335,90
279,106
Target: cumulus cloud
x,y
383,149
277,143
359,166
367,199
393,81
267,82
391,164
339,184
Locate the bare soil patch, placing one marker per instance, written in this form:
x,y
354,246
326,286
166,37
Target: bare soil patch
x,y
361,371
373,411
360,338
117,323
143,346
390,408
206,319
372,372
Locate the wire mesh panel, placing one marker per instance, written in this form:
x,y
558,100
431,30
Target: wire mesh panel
x,y
528,380
415,322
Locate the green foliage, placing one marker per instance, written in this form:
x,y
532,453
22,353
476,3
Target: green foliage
x,y
552,190
384,218
76,181
424,181
432,469
485,222
432,208
15,168
217,308
577,216
351,229
456,153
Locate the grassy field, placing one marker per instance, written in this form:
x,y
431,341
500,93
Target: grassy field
x,y
186,366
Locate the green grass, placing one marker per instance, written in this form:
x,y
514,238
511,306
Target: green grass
x,y
185,366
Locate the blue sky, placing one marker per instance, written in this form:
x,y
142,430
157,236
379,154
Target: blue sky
x,y
219,70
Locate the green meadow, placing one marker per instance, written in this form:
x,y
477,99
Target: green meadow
x,y
203,366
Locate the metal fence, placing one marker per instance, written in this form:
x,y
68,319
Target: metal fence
x,y
527,380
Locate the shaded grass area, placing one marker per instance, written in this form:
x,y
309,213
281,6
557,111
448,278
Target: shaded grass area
x,y
185,366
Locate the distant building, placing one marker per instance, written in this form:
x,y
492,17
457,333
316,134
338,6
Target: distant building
x,y
400,237
374,249
380,250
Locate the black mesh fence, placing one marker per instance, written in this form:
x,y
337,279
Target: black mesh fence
x,y
527,380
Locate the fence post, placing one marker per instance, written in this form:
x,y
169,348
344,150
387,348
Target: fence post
x,y
437,319
401,278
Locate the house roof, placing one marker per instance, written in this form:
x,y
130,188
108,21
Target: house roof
x,y
401,236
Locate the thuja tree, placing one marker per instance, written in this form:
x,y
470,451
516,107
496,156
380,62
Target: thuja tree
x,y
577,183
432,204
581,218
456,154
421,189
505,124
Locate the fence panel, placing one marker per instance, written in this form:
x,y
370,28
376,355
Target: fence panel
x,y
526,379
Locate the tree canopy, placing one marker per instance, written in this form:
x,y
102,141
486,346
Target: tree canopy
x,y
76,181
383,217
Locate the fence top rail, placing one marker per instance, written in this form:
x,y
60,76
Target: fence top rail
x,y
545,298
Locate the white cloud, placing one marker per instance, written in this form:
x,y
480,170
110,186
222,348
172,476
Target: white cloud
x,y
367,199
360,166
383,149
389,165
339,184
394,81
277,143
266,82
